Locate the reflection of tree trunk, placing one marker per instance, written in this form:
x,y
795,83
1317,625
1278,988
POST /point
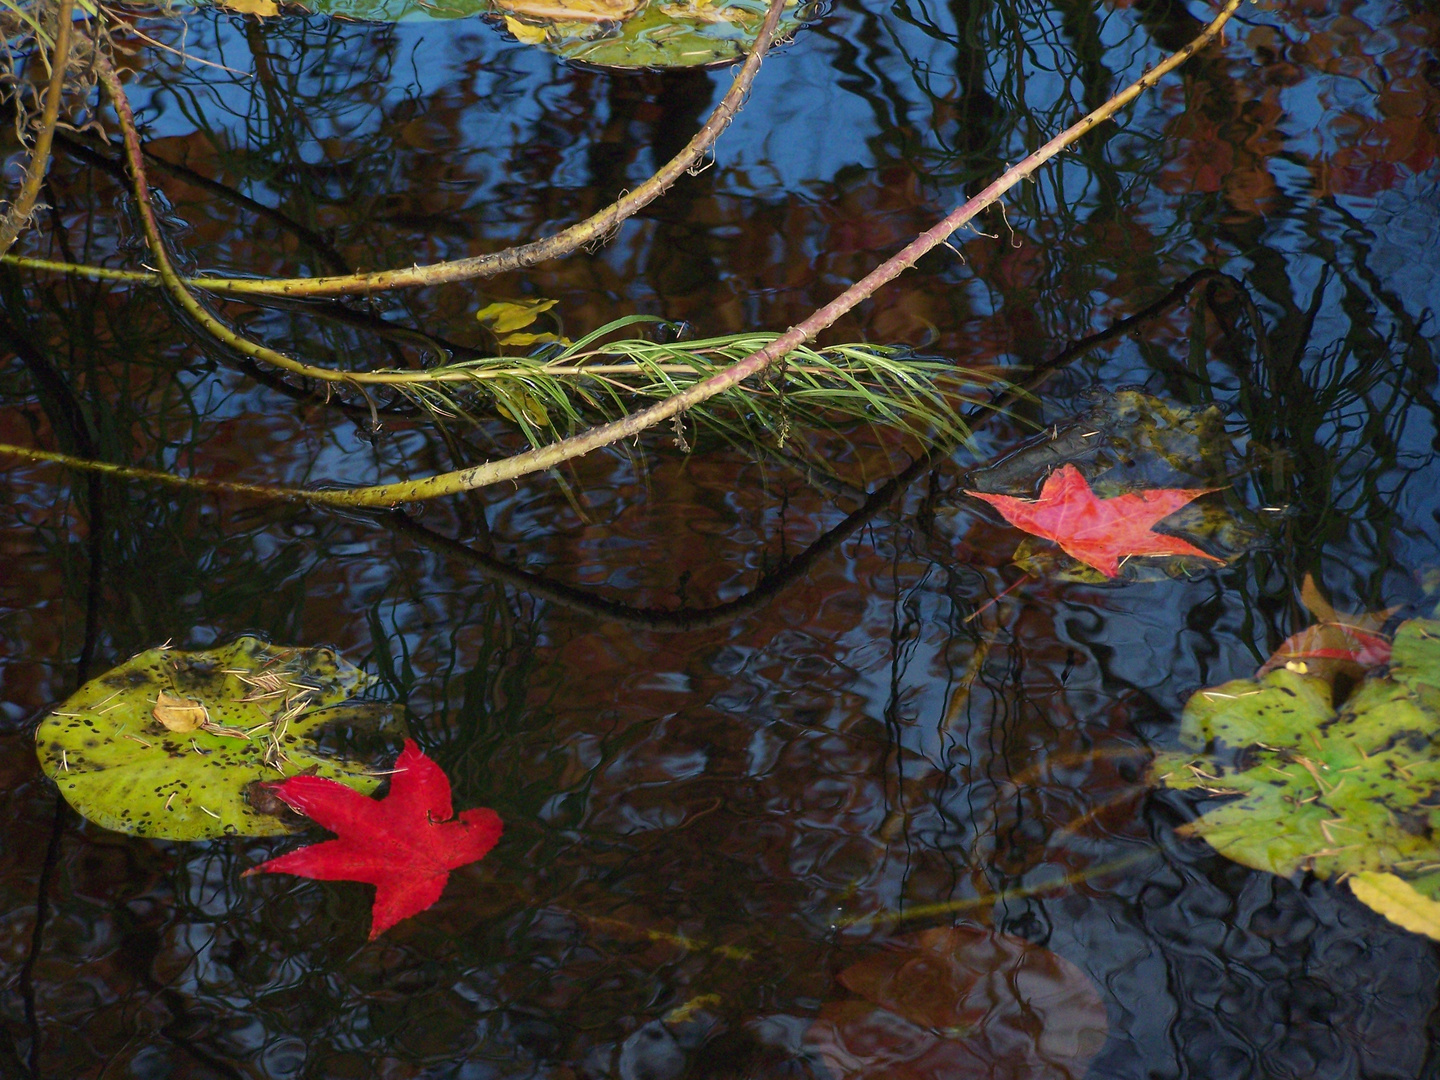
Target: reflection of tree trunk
x,y
72,428
1083,29
679,260
661,111
1170,24
974,112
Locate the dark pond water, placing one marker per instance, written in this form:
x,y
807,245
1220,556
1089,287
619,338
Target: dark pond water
x,y
707,826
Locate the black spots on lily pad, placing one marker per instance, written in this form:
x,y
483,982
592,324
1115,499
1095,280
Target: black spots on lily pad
x,y
1414,824
1246,758
1412,740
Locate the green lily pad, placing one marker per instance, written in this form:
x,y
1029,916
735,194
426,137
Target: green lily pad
x,y
272,712
693,33
377,10
1332,792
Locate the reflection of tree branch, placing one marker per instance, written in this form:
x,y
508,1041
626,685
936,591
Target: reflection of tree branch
x,y
1173,296
318,243
72,427
37,933
1159,306
680,619
332,310
83,148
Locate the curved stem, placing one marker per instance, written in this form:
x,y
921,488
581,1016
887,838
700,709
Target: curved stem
x,y
172,282
592,230
177,286
24,204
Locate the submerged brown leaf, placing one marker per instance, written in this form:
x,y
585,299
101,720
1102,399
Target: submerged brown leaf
x,y
959,1003
1337,646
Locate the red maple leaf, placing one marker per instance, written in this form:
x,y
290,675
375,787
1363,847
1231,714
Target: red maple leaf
x,y
404,844
1099,532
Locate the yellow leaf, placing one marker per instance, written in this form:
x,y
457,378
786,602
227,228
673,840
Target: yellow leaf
x,y
506,315
524,33
510,402
590,11
528,339
1315,602
260,8
1398,901
178,713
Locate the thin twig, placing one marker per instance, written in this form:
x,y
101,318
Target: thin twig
x,y
547,457
24,204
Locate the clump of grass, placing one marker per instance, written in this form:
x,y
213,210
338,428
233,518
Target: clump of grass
x,y
813,389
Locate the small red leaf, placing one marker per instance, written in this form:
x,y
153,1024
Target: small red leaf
x,y
1099,532
404,844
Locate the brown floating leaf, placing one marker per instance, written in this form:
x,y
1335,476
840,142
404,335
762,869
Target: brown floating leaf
x,y
178,713
961,1003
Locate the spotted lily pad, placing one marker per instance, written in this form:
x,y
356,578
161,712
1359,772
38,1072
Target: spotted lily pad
x,y
268,712
1333,792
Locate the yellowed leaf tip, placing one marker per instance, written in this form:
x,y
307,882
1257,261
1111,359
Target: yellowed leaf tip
x,y
1398,901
